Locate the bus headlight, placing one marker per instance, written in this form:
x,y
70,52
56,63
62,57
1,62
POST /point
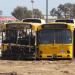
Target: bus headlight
x,y
41,52
68,51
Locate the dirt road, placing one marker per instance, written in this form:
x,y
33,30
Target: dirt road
x,y
43,67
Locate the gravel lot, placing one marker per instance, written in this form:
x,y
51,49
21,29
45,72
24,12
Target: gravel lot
x,y
42,67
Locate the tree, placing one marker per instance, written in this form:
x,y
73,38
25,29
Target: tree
x,y
37,13
54,12
73,11
22,12
64,11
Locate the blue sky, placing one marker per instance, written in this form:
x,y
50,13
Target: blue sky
x,y
7,6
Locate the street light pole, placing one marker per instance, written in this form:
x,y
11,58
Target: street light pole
x,y
46,11
32,1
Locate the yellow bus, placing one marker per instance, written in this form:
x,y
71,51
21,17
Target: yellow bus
x,y
18,41
22,40
55,41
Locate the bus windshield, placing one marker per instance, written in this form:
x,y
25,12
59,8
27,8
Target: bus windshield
x,y
55,36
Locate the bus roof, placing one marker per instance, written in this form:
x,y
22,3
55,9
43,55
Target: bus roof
x,y
70,21
34,20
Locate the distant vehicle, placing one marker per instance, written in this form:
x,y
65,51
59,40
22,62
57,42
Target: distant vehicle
x,y
71,21
65,20
34,20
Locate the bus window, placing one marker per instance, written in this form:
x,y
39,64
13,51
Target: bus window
x,y
55,36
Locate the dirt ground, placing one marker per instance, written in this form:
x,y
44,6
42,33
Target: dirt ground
x,y
42,67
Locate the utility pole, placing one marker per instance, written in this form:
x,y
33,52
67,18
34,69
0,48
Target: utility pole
x,y
46,11
32,1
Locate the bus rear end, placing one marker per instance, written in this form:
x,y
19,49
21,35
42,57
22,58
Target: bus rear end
x,y
18,41
55,41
